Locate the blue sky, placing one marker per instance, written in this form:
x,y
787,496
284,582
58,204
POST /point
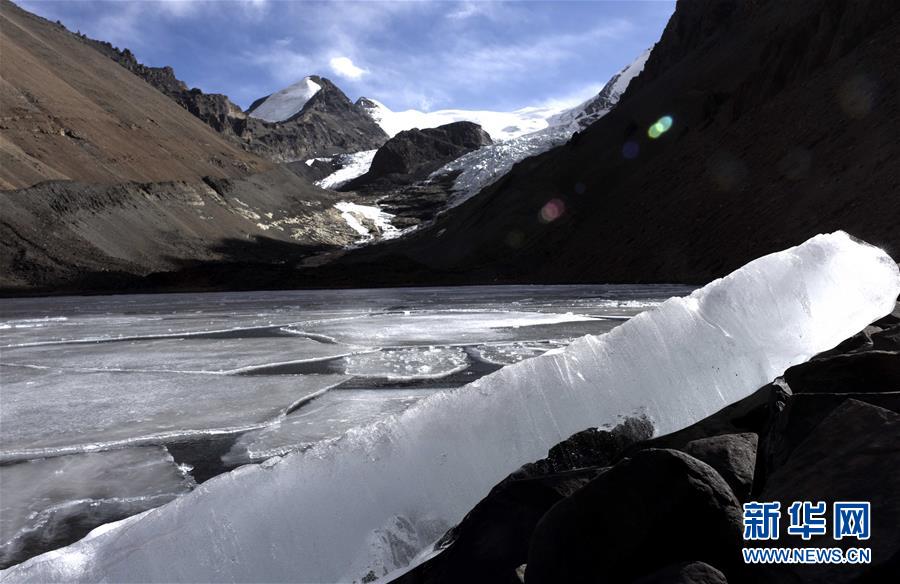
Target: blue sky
x,y
408,54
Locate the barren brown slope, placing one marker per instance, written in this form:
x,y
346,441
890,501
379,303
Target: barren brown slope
x,y
69,112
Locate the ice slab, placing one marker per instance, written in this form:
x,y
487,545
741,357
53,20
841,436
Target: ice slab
x,y
239,314
408,363
448,327
326,418
332,512
191,354
509,353
48,500
50,412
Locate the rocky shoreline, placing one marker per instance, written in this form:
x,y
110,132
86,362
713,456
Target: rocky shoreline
x,y
616,505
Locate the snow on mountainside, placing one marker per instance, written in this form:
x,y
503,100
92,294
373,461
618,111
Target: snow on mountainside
x,y
500,125
587,113
480,168
353,165
286,103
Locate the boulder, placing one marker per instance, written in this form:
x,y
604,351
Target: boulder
x,y
412,155
869,371
658,508
732,455
685,573
593,447
492,541
798,417
851,455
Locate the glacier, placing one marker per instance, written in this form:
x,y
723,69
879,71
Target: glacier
x,y
500,125
374,497
480,168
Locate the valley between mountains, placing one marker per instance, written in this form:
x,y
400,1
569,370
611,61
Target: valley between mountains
x,y
118,177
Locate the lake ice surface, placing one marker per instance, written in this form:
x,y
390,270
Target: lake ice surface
x,y
94,389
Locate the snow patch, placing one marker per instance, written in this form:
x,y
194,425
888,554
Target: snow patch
x,y
355,215
355,164
286,103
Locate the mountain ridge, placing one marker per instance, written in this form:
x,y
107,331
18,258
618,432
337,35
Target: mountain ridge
x,y
745,89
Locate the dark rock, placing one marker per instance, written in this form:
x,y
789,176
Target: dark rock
x,y
318,170
799,415
750,414
685,573
619,526
732,455
413,154
590,448
887,339
852,455
861,341
492,540
869,371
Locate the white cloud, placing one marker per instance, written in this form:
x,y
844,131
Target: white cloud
x,y
285,65
485,63
345,67
465,10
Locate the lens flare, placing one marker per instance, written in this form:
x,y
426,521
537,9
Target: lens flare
x,y
661,126
552,211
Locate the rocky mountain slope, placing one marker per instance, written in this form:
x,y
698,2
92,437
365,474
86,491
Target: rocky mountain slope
x,y
324,122
107,180
777,121
328,123
215,109
65,236
70,113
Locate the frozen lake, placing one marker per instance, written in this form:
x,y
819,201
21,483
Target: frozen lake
x,y
113,405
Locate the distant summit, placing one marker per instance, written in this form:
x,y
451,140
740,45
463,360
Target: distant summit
x,y
286,103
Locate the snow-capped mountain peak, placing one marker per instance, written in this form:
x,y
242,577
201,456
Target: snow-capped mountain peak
x,y
286,103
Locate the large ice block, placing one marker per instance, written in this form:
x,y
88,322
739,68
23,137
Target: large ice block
x,y
331,513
